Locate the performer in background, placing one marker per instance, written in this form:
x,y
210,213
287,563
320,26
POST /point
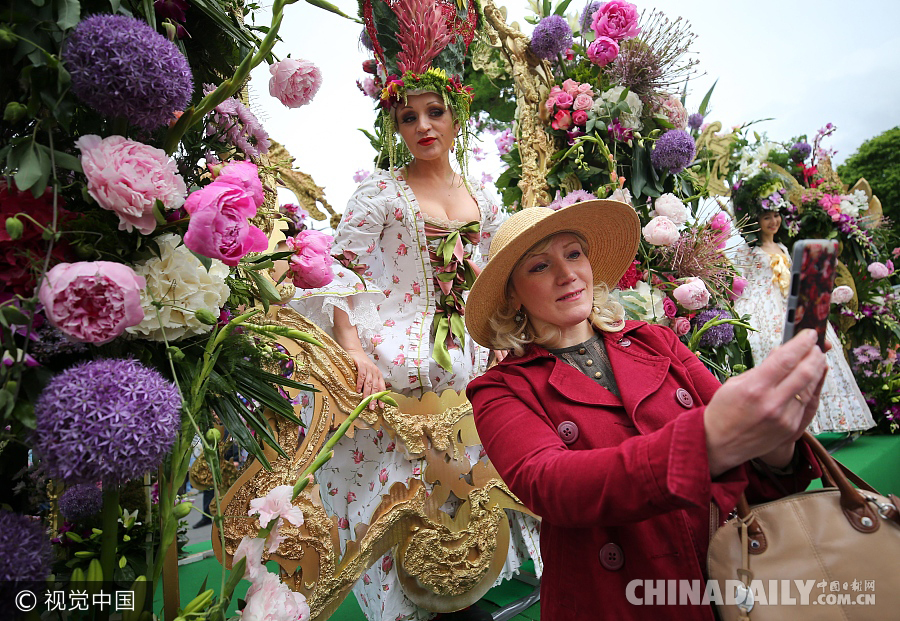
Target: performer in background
x,y
410,245
613,431
766,265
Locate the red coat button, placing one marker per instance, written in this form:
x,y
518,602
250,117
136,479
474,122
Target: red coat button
x,y
684,398
612,557
568,431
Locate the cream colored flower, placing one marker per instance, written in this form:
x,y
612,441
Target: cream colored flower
x,y
178,280
611,97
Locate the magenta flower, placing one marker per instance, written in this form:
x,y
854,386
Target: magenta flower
x,y
617,20
619,132
92,301
669,307
219,226
311,261
602,51
737,287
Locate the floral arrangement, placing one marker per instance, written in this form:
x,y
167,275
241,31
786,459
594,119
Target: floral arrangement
x,y
137,210
621,132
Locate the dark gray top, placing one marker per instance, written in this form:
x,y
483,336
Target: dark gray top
x,y
590,358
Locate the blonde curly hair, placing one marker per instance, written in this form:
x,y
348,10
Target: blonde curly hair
x,y
607,315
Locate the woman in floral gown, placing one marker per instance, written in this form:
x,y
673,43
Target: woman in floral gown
x,y
767,267
410,245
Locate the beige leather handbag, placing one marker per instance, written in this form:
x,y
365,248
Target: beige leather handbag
x,y
829,554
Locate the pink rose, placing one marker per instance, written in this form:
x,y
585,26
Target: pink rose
x,y
737,287
661,231
878,270
311,261
128,177
681,326
219,226
673,110
551,99
693,294
841,295
585,89
602,51
294,82
580,117
617,20
570,86
583,102
669,307
387,563
92,301
562,120
564,100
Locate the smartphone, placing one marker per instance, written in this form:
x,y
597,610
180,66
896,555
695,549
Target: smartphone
x,y
813,264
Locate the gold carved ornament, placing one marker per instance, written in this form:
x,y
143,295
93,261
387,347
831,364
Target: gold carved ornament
x,y
444,563
532,78
717,150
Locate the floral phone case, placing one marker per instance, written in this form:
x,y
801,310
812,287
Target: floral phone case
x,y
812,281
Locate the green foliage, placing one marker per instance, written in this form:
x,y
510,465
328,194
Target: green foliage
x,y
878,160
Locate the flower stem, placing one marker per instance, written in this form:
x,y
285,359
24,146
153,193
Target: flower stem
x,y
110,526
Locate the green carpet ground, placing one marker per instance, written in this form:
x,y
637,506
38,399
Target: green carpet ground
x,y
875,458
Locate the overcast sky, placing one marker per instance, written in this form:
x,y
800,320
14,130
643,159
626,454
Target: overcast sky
x,y
805,64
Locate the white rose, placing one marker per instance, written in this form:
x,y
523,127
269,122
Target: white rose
x,y
841,295
178,280
670,206
661,231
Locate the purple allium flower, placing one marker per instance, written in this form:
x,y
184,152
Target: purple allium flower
x,y
715,336
366,40
121,67
695,121
551,37
80,502
24,548
673,151
587,16
575,196
800,151
105,420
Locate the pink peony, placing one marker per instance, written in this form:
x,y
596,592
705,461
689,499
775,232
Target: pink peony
x,y
617,20
564,100
681,326
294,82
562,120
841,295
128,177
579,117
879,270
669,308
219,226
737,287
92,301
672,108
252,550
311,261
583,102
602,51
693,294
277,503
661,231
269,599
670,206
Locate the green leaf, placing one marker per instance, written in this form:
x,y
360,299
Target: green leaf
x,y
204,261
330,7
69,13
29,166
265,287
236,575
545,9
561,9
705,102
14,316
37,189
114,5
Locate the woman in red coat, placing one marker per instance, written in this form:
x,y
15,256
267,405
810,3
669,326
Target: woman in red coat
x,y
613,431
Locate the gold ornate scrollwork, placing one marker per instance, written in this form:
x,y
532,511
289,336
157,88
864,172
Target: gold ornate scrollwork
x,y
444,562
717,150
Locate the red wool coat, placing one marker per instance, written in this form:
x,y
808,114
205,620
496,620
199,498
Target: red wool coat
x,y
622,485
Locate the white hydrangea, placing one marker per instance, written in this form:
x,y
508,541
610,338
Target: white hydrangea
x,y
611,97
670,206
852,204
178,280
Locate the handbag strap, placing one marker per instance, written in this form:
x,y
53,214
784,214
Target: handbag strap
x,y
854,504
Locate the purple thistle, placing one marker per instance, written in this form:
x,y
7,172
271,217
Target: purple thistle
x,y
800,151
716,336
551,37
695,121
80,502
235,123
24,548
673,152
121,67
105,420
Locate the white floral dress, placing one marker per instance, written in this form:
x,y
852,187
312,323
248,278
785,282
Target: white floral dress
x,y
841,406
383,237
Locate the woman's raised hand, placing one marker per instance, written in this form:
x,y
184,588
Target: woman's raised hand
x,y
763,412
369,379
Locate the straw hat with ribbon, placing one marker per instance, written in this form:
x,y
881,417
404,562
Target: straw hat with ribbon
x,y
612,230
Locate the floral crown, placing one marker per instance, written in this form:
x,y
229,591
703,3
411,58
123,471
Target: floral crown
x,y
763,192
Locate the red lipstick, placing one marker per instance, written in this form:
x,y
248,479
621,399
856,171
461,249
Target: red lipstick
x,y
427,141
